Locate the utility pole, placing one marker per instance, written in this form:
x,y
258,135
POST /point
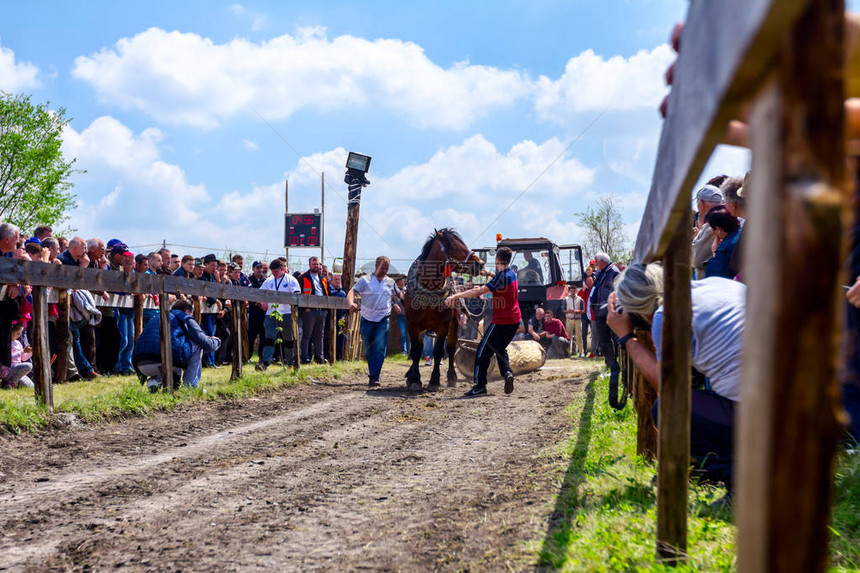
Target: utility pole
x,y
286,210
322,220
357,166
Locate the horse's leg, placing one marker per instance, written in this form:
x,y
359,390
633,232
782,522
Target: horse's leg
x,y
438,353
452,343
413,375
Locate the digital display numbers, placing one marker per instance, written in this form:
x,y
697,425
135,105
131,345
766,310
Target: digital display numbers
x,y
302,230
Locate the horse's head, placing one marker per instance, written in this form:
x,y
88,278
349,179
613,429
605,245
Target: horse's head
x,y
460,257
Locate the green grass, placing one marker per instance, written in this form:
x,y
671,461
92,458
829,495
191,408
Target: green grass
x,y
115,397
605,514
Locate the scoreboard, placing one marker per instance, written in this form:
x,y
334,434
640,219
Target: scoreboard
x,y
302,230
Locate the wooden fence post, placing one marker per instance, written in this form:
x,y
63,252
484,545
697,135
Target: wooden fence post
x,y
787,429
673,451
243,328
643,400
237,341
166,346
332,339
297,355
41,348
138,315
63,335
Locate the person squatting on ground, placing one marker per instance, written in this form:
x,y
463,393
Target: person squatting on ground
x,y
506,320
554,331
719,309
377,294
16,377
188,342
280,281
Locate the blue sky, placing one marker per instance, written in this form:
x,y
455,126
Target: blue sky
x,y
461,104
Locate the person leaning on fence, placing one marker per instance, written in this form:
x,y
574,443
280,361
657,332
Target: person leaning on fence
x,y
280,281
507,320
719,309
336,290
313,319
377,292
188,342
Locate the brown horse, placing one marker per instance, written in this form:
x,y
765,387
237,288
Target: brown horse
x,y
428,283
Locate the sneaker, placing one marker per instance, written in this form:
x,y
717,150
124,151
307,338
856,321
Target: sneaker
x,y
477,391
90,375
509,383
373,383
428,362
591,355
261,367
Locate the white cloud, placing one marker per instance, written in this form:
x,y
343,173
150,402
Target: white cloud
x,y
237,9
149,196
592,83
183,78
250,145
16,76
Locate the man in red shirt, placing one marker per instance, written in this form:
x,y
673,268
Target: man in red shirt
x,y
506,321
554,329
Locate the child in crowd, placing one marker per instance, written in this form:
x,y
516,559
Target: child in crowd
x,y
17,376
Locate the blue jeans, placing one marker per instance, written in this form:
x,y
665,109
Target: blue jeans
x,y
208,325
84,366
404,336
374,335
191,377
125,324
427,349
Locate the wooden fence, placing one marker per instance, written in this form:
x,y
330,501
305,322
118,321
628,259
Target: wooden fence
x,y
45,276
786,57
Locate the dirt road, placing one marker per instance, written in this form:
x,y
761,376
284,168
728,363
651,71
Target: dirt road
x,y
323,476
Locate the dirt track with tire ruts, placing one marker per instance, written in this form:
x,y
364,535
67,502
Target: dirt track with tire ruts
x,y
322,476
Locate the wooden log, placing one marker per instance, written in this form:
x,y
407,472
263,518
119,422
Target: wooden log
x,y
673,450
525,356
237,341
42,349
166,347
644,398
797,218
64,335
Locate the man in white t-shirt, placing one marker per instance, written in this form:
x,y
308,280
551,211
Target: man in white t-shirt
x,y
719,316
377,292
280,281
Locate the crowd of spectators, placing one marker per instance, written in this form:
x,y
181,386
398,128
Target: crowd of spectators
x,y
101,324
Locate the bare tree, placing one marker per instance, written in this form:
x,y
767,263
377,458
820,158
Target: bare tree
x,y
604,228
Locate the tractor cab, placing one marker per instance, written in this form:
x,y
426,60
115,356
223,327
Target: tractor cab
x,y
545,271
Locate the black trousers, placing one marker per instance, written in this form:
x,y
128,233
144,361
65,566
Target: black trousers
x,y
605,343
495,341
712,419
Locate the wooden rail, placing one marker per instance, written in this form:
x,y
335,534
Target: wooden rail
x,y
62,278
792,52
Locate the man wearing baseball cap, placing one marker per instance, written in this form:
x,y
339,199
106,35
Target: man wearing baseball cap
x,y
707,197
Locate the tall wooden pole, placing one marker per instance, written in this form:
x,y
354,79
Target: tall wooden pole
x,y
322,219
788,431
238,342
673,448
286,210
350,243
